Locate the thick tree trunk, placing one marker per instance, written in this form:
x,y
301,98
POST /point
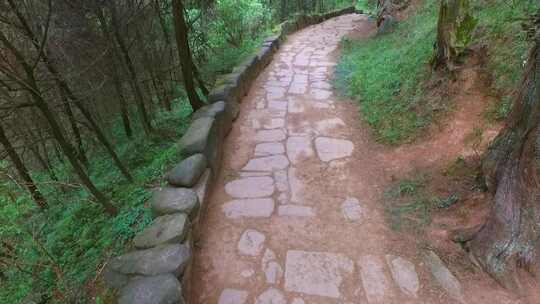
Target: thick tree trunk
x,y
23,172
454,32
184,53
510,238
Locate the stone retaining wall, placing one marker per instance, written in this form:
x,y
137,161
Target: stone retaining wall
x,y
159,270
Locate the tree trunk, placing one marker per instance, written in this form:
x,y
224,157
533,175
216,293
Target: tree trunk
x,y
145,121
284,6
117,64
184,53
510,238
74,128
454,32
41,104
23,172
124,113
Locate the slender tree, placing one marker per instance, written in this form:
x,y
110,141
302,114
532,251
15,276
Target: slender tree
x,y
28,81
184,53
23,172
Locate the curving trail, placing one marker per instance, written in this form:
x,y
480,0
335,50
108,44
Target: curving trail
x,y
294,217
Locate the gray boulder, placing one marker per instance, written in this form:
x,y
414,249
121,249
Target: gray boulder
x,y
171,200
188,171
196,138
158,260
205,135
161,289
166,229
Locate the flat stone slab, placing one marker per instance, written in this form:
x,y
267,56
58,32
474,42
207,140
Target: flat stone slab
x,y
316,273
274,123
376,286
270,135
298,148
352,210
271,296
404,274
330,149
444,276
268,163
251,187
257,207
325,126
298,88
273,271
272,148
277,105
320,94
282,182
165,229
295,210
233,296
251,242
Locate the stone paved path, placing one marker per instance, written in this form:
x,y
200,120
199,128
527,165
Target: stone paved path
x,y
293,218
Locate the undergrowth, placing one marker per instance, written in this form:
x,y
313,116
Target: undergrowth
x,y
409,203
64,246
386,73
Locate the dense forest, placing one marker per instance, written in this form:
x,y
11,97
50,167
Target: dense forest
x,y
94,96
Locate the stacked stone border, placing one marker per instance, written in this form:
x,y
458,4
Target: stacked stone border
x,y
159,270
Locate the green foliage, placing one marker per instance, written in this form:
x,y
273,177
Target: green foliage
x,y
409,203
383,73
500,29
60,249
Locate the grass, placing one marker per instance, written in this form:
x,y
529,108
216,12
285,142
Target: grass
x,y
386,74
61,249
409,203
500,29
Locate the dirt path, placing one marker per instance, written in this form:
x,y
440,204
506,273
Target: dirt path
x,y
294,217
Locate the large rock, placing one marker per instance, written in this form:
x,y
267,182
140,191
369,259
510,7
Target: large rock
x,y
196,138
161,289
188,171
444,276
265,55
223,112
171,200
158,260
205,135
166,229
224,92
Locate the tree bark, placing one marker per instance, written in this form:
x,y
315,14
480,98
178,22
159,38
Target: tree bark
x,y
454,32
184,53
145,120
23,172
31,85
74,128
510,238
117,63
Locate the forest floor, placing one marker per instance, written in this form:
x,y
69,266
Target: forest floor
x,y
309,208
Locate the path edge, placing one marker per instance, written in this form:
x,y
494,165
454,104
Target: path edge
x,y
134,278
